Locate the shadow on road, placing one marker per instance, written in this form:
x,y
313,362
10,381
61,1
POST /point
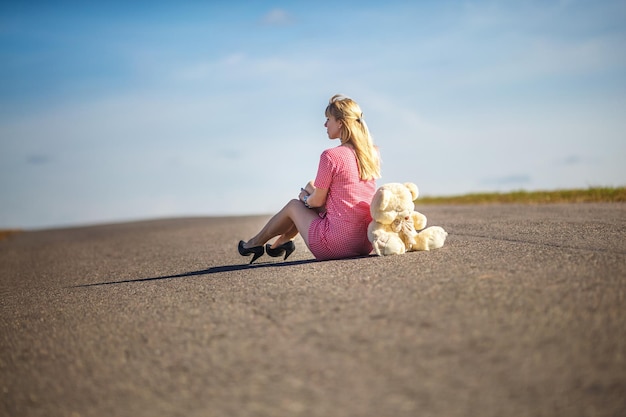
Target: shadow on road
x,y
213,270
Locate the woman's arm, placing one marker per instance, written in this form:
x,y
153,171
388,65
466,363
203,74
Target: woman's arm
x,y
316,197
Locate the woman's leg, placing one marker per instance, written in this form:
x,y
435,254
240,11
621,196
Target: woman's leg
x,y
292,219
285,237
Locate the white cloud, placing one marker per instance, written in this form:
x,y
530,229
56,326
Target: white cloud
x,y
241,67
540,58
211,120
277,17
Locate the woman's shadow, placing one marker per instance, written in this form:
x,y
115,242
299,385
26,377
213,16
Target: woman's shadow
x,y
213,270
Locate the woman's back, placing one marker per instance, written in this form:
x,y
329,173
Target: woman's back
x,y
349,196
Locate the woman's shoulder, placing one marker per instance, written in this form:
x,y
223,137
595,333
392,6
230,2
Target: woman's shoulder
x,y
339,156
338,150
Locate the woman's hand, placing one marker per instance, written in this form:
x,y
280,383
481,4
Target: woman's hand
x,y
316,197
303,193
309,187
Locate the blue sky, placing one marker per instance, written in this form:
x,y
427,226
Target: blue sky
x,y
113,112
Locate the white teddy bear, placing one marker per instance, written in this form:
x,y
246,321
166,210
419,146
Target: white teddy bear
x,y
395,228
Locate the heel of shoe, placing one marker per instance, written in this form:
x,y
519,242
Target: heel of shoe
x,y
289,249
257,254
286,249
256,251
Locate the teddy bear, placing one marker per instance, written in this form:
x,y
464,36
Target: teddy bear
x,y
396,227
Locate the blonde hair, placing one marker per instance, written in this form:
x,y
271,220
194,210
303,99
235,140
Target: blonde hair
x,y
354,131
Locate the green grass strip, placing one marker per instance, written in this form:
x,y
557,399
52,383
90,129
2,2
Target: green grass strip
x,y
589,195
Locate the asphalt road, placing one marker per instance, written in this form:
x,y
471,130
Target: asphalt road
x,y
521,313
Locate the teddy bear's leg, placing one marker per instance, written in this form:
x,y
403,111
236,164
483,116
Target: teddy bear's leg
x,y
430,238
388,244
379,236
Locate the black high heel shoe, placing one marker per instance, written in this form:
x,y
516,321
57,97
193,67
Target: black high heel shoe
x,y
256,251
286,248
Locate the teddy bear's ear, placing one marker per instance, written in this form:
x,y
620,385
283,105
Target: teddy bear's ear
x,y
413,189
382,199
380,205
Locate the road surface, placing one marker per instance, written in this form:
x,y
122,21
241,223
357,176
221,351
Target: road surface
x,y
521,313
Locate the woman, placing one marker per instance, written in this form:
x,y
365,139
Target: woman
x,y
331,213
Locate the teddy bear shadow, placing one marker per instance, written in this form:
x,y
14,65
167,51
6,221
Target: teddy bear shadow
x,y
217,270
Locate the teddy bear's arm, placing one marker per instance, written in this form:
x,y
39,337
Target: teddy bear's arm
x,y
419,220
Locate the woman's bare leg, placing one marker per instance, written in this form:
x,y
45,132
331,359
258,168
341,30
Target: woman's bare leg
x,y
285,237
292,219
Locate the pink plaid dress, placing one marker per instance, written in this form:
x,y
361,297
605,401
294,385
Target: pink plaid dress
x,y
341,232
